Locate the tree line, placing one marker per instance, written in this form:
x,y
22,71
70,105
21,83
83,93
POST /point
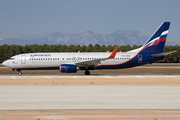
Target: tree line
x,y
7,51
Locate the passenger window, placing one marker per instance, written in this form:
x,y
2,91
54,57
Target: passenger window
x,y
12,58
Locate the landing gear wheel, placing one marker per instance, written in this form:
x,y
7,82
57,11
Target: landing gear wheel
x,y
87,72
20,73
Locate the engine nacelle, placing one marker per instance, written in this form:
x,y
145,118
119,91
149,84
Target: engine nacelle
x,y
68,68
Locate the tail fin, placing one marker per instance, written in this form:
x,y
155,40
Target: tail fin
x,y
156,42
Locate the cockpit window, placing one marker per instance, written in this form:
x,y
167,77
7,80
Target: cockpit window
x,y
12,59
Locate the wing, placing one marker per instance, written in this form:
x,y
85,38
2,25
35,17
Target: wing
x,y
97,61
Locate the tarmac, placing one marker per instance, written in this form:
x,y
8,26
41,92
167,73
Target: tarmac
x,y
89,98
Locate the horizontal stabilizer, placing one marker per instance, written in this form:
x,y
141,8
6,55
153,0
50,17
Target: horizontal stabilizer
x,y
162,54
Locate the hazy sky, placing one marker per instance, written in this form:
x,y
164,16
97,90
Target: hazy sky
x,y
101,16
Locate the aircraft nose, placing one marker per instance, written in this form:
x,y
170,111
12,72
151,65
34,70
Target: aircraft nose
x,y
5,63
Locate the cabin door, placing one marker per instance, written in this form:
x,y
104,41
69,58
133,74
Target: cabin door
x,y
23,59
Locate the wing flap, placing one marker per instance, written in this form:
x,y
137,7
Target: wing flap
x,y
89,63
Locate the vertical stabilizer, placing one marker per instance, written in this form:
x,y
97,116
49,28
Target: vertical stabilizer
x,y
156,42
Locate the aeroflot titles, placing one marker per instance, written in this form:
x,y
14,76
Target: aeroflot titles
x,y
40,55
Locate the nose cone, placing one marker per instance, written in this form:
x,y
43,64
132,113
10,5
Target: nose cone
x,y
5,63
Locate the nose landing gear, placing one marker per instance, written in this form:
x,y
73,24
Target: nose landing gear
x,y
20,73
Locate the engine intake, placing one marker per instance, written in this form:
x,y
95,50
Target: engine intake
x,y
68,68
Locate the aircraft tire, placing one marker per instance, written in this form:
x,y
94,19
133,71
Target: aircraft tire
x,y
87,72
20,73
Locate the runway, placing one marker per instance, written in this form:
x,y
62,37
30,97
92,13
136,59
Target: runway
x,y
84,76
89,98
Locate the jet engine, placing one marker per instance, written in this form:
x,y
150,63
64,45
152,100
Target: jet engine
x,y
68,68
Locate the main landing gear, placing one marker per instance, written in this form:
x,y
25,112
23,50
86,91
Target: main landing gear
x,y
87,72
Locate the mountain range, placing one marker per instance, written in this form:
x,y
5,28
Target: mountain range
x,y
119,37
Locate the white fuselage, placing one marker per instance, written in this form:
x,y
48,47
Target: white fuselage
x,y
38,60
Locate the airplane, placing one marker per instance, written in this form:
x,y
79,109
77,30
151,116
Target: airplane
x,y
71,62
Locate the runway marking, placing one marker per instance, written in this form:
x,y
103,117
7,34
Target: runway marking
x,y
169,76
46,77
139,76
13,77
83,76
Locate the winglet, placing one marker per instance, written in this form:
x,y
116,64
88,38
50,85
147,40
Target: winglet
x,y
114,53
